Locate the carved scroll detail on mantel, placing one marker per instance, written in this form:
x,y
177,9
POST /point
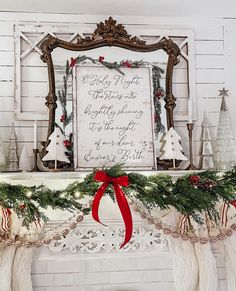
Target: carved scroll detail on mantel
x,y
95,240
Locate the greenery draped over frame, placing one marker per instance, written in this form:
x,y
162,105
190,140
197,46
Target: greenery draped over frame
x,y
158,91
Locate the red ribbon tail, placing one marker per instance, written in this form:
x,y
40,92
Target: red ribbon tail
x,y
96,202
125,212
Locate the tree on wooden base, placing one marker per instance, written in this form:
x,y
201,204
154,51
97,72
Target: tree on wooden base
x,y
172,148
56,149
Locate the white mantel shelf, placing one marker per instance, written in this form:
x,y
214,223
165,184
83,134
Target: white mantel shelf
x,y
78,175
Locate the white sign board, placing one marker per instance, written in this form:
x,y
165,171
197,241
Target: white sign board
x,y
113,117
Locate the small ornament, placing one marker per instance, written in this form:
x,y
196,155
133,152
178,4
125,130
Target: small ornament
x,y
73,62
77,195
127,64
101,59
56,149
160,93
62,195
225,145
208,185
22,206
12,165
67,143
194,180
62,118
206,156
28,194
171,148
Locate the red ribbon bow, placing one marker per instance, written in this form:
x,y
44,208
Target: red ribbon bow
x,y
102,176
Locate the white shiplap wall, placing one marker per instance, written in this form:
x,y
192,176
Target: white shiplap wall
x,y
209,48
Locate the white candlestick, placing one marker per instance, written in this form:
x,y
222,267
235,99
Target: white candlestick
x,y
35,134
190,111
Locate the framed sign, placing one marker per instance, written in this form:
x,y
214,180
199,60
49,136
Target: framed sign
x,y
113,117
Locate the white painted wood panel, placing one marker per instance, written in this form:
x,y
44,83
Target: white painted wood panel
x,y
209,61
35,89
208,90
7,88
6,104
7,73
209,47
7,58
210,76
6,43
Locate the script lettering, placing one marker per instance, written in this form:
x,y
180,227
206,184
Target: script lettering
x,y
114,117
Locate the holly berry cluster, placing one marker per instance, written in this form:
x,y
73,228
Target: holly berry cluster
x,y
197,182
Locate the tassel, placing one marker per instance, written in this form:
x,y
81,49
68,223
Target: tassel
x,y
206,261
184,263
6,260
230,266
21,270
207,267
230,253
183,256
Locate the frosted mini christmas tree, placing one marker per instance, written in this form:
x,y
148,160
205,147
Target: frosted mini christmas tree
x,y
56,149
12,163
225,145
172,148
206,159
2,158
25,161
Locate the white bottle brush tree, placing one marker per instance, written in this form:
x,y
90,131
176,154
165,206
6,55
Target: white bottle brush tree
x,y
172,148
56,149
225,144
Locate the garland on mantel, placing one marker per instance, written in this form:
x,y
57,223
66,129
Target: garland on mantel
x,y
190,194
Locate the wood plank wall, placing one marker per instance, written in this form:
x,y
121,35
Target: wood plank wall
x,y
209,56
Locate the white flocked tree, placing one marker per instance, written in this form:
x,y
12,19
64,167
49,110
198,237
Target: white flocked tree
x,y
172,149
225,144
25,163
56,149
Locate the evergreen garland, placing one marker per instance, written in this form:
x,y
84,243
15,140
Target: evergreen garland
x,y
191,194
